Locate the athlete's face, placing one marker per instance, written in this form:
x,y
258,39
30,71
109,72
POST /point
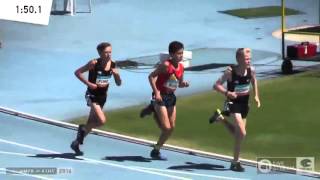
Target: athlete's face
x,y
178,55
106,53
245,59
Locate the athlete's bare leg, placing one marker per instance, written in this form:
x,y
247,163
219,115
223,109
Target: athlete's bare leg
x,y
165,126
240,132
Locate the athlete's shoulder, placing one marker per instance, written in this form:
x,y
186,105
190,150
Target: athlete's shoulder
x,y
162,67
113,64
181,65
229,69
252,68
252,71
91,64
166,63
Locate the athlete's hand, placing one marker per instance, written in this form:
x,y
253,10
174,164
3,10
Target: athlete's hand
x,y
92,86
158,97
256,98
232,95
184,84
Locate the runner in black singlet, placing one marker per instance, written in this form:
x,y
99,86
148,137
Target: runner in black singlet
x,y
100,72
238,78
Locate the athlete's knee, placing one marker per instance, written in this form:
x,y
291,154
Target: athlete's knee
x,y
88,127
170,129
167,128
242,134
102,121
240,128
173,126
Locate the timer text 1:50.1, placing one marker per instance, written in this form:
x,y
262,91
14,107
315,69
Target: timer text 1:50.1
x,y
28,9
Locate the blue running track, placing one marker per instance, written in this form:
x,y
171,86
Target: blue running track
x,y
28,141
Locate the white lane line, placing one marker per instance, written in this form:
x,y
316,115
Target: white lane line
x,y
29,147
43,150
16,154
96,161
26,155
137,167
80,160
189,173
24,174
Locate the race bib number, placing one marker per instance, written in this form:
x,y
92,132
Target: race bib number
x,y
245,88
102,79
172,82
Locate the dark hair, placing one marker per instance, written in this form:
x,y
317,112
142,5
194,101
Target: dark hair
x,y
175,46
239,53
102,46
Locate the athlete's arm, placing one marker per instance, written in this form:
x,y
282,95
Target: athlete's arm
x,y
218,86
153,76
182,83
116,75
254,83
79,73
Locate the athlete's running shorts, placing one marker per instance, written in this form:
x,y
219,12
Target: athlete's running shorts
x,y
100,100
231,107
168,100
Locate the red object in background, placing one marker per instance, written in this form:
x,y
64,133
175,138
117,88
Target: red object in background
x,y
303,50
